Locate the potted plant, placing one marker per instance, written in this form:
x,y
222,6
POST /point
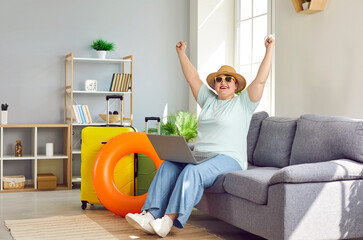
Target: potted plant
x,y
4,113
305,5
102,47
180,123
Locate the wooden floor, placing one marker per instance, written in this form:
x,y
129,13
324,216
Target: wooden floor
x,y
25,205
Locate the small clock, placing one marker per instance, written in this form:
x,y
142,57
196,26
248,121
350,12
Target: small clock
x,y
90,85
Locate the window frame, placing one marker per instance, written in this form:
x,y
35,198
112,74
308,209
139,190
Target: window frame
x,y
270,29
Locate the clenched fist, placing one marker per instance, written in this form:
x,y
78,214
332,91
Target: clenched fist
x,y
181,46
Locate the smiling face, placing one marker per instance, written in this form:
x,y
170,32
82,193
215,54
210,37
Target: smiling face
x,y
224,89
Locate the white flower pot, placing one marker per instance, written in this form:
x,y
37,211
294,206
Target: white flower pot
x,y
4,117
102,54
305,5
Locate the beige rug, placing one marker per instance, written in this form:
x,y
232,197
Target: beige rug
x,y
94,224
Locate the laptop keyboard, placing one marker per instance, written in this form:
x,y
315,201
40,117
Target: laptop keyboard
x,y
199,156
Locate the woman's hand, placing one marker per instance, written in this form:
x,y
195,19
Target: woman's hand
x,y
181,46
255,89
269,43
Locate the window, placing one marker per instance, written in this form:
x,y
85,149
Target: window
x,y
253,23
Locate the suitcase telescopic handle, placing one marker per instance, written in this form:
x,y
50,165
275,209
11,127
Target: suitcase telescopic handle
x,y
108,97
152,119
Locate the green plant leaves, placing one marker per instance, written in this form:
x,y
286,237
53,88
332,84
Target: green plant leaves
x,y
181,123
101,45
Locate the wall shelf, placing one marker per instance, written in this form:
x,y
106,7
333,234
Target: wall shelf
x,y
38,159
73,93
100,92
315,6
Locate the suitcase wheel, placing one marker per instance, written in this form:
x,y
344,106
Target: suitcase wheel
x,y
84,205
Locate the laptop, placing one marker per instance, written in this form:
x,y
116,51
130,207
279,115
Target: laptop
x,y
176,149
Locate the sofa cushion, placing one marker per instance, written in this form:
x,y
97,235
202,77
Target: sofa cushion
x,y
217,186
254,132
274,144
250,184
321,138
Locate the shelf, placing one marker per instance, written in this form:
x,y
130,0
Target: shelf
x,y
27,188
314,6
76,179
55,156
24,157
72,95
76,151
100,124
100,92
40,134
60,187
32,125
98,60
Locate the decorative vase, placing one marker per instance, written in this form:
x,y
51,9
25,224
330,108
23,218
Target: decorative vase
x,y
305,5
4,117
18,149
101,54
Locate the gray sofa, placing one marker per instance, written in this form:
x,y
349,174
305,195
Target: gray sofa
x,y
304,181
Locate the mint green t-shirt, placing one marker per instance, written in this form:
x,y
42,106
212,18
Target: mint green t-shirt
x,y
223,124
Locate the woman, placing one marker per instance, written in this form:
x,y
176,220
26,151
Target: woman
x,y
222,128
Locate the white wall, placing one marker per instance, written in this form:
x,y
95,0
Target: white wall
x,y
212,27
36,35
319,60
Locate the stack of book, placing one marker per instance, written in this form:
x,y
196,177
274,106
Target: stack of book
x,y
120,82
81,114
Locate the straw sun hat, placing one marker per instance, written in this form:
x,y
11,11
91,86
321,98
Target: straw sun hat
x,y
227,70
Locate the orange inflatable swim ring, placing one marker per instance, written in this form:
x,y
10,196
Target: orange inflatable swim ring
x,y
107,192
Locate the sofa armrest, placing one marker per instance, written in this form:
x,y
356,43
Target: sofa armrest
x,y
334,170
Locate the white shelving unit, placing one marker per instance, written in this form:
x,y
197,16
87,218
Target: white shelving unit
x,y
71,94
34,155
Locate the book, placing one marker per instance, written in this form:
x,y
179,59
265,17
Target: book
x,y
83,120
127,86
75,115
83,107
78,116
122,82
112,83
130,85
88,114
117,82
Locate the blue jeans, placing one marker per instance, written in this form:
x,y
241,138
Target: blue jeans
x,y
178,187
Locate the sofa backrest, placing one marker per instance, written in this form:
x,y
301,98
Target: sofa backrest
x,y
322,138
253,133
274,144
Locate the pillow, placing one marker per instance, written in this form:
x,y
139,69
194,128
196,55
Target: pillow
x,y
321,138
253,133
274,144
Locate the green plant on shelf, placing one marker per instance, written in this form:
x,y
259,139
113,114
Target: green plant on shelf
x,y
101,45
181,123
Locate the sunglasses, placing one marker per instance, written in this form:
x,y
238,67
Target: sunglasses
x,y
227,79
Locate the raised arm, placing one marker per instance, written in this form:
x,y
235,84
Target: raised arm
x,y
255,89
190,73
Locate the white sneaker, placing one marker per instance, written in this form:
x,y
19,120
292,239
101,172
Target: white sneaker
x,y
162,226
141,221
